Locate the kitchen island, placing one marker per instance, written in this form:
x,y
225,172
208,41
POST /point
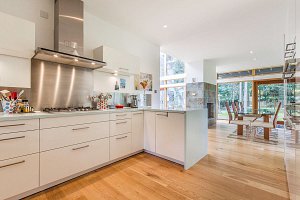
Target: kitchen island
x,y
40,150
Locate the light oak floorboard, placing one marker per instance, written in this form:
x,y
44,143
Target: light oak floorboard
x,y
234,169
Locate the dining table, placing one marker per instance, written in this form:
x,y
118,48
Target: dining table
x,y
266,115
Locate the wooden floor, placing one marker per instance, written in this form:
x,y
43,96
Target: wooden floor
x,y
234,169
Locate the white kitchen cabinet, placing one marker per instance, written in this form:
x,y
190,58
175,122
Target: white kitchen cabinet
x,y
170,135
61,163
19,175
18,144
119,115
17,38
120,127
18,125
137,131
149,131
64,136
120,146
117,60
72,120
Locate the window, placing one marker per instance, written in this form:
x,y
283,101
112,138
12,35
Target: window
x,y
172,82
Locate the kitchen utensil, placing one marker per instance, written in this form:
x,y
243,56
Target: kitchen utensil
x,y
20,94
4,94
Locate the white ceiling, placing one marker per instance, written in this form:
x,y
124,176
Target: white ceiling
x,y
223,30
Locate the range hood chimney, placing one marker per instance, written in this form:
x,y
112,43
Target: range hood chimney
x,y
68,27
68,37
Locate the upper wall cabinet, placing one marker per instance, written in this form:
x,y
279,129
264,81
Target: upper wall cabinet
x,y
117,61
17,36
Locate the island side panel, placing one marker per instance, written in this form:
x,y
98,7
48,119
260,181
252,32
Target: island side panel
x,y
196,136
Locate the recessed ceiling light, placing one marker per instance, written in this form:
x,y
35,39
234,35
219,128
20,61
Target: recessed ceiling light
x,y
254,59
165,26
251,52
116,71
55,55
115,74
93,63
76,60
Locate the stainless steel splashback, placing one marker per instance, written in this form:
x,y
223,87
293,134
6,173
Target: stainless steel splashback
x,y
57,85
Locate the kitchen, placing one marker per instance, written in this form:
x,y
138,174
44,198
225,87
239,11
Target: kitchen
x,y
62,93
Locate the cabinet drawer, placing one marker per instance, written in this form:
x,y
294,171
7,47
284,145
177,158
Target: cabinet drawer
x,y
61,163
120,127
120,115
75,120
70,135
18,144
19,125
19,175
120,146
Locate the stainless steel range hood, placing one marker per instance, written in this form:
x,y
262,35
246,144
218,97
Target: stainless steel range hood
x,y
68,37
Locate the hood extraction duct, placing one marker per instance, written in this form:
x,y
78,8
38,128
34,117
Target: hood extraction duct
x,y
68,37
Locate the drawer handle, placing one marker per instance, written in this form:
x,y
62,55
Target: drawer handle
x,y
121,137
16,163
74,149
121,122
76,129
14,138
167,115
121,115
137,113
11,125
121,68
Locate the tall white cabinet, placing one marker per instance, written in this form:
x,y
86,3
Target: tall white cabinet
x,y
149,131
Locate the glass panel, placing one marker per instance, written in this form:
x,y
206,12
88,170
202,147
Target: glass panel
x,y
162,98
175,98
162,64
269,70
235,74
174,66
234,92
174,81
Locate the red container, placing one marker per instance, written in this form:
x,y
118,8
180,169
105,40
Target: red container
x,y
119,106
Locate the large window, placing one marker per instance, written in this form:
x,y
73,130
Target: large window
x,y
234,92
172,82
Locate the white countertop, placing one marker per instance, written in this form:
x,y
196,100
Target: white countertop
x,y
41,115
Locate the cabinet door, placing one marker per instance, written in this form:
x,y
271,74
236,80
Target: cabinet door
x,y
137,131
19,175
170,131
61,163
149,131
120,146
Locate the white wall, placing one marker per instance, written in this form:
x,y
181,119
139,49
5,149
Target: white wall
x,y
298,27
202,71
209,72
97,32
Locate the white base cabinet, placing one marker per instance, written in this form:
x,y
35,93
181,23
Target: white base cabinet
x,y
120,146
170,135
19,175
137,131
61,163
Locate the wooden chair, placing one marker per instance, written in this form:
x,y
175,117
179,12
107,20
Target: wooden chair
x,y
235,111
272,124
242,106
234,121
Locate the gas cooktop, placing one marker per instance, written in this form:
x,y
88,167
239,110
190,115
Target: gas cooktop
x,y
69,109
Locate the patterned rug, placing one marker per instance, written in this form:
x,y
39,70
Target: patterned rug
x,y
276,136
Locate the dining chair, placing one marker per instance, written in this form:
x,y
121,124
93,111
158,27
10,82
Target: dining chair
x,y
235,111
271,125
237,106
242,106
234,121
